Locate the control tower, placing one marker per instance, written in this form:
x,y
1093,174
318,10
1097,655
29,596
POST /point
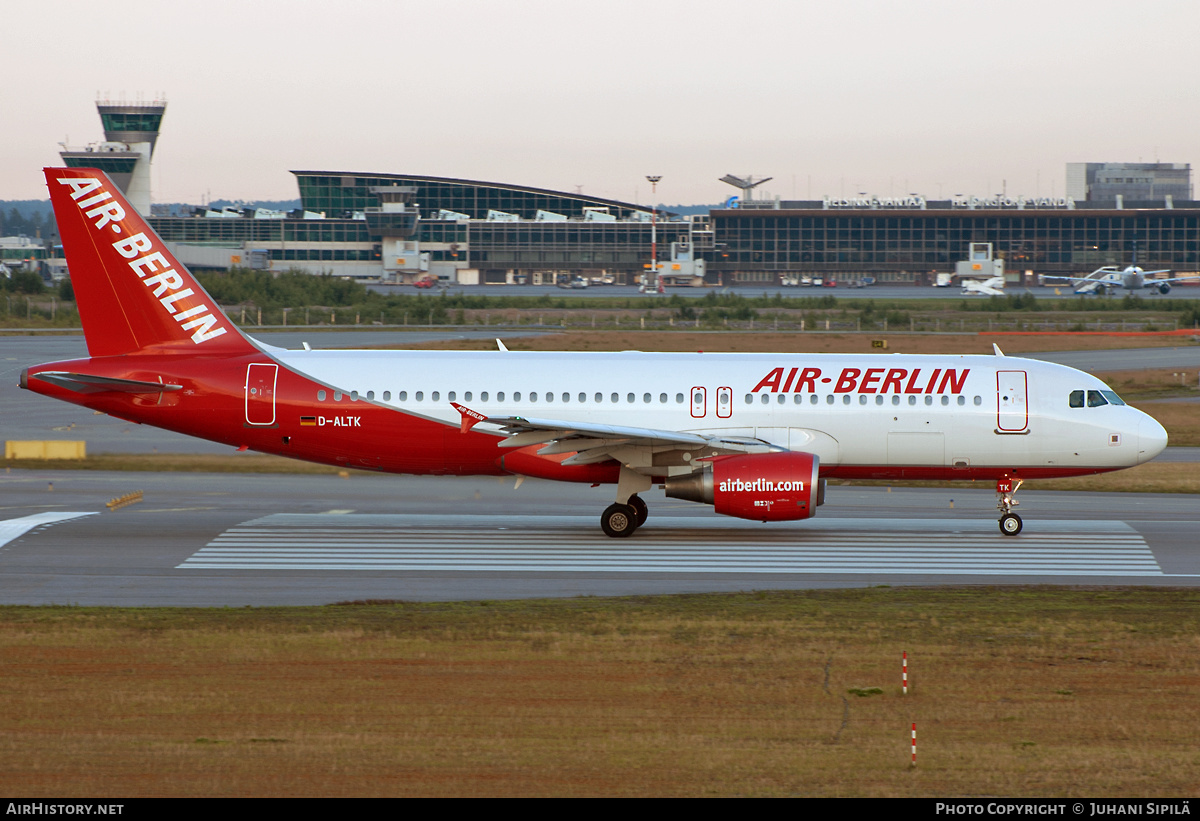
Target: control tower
x,y
130,133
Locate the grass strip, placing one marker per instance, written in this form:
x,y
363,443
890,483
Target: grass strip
x,y
1017,691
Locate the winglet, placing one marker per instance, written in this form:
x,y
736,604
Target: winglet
x,y
996,348
470,418
501,345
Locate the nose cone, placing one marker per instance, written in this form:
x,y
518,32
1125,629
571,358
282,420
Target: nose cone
x,y
1152,438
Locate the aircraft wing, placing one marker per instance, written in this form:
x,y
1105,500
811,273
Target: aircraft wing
x,y
592,442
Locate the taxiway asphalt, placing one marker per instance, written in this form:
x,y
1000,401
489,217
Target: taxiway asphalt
x,y
266,540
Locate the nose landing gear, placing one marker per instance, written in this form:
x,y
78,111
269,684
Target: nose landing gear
x,y
1010,523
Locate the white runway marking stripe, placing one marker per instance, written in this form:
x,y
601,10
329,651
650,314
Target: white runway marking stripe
x,y
567,544
14,528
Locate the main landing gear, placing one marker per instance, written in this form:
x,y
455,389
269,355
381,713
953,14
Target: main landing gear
x,y
1010,523
620,520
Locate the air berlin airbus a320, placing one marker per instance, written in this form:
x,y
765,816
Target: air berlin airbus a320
x,y
754,435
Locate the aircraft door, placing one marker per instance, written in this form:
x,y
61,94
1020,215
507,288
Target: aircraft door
x,y
699,403
260,393
1012,402
724,402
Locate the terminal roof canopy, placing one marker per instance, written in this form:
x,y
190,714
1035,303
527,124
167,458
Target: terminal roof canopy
x,y
338,193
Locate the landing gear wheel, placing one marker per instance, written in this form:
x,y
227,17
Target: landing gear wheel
x,y
618,521
1011,524
639,508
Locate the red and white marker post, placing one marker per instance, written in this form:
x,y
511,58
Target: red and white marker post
x,y
914,744
904,673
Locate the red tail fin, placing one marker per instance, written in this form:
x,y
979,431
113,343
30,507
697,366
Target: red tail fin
x,y
131,291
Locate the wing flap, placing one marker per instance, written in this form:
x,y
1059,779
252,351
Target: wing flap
x,y
592,442
554,429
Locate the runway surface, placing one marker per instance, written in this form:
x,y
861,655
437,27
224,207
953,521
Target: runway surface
x,y
233,540
570,544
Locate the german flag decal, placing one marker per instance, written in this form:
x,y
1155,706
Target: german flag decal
x,y
309,421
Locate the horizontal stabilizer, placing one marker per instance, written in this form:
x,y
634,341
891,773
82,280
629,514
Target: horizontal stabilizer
x,y
87,383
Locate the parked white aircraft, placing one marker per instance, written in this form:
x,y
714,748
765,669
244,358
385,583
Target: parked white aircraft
x,y
993,286
754,435
1132,278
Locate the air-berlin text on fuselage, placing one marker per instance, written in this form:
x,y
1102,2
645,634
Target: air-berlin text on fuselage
x,y
144,259
865,380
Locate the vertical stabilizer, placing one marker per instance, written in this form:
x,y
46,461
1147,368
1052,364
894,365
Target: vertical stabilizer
x,y
131,291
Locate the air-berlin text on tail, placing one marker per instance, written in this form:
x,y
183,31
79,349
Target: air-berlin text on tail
x,y
144,259
865,380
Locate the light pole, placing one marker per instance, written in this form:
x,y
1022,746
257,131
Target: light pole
x,y
653,180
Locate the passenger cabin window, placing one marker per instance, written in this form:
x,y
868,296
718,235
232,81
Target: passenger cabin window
x,y
320,396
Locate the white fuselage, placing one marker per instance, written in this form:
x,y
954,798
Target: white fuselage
x,y
850,410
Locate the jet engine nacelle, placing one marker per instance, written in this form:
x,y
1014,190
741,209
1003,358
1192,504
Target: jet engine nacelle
x,y
1164,288
767,487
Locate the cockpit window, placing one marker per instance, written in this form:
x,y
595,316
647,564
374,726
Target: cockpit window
x,y
1096,399
1112,397
1076,400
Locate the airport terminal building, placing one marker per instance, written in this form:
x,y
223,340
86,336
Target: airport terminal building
x,y
395,226
403,227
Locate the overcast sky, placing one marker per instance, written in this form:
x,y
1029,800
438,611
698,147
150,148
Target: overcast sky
x,y
931,96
